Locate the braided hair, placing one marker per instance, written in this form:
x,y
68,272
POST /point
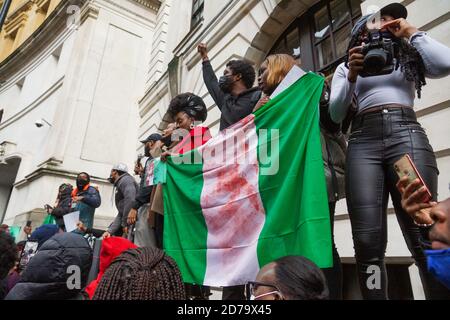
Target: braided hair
x,y
408,58
141,274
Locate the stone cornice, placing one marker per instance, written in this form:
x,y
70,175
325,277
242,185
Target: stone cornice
x,y
51,29
40,4
23,7
49,169
90,11
34,45
151,4
7,148
15,23
56,86
118,7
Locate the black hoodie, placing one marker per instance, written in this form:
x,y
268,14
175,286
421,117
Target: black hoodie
x,y
64,206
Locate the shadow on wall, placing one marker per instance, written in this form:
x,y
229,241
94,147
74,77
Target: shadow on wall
x,y
8,174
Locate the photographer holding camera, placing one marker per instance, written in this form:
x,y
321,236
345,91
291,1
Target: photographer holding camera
x,y
386,66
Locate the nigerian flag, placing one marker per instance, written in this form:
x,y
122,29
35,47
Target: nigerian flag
x,y
255,193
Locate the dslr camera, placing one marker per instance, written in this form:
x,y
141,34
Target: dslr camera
x,y
380,51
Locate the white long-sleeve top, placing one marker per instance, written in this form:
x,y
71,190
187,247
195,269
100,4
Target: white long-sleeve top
x,y
387,89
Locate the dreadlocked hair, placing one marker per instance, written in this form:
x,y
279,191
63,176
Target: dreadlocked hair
x,y
141,274
408,58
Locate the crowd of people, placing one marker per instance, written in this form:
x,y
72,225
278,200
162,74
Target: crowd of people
x,y
130,263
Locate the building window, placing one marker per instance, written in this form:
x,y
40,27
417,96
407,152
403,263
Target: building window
x,y
319,38
1,115
197,12
332,25
289,43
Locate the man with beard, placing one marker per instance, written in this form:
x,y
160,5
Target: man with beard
x,y
143,236
125,192
85,199
233,93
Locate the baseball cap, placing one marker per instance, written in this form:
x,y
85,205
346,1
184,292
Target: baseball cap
x,y
152,137
395,10
120,167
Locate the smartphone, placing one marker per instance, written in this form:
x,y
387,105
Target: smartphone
x,y
29,251
405,167
29,223
139,158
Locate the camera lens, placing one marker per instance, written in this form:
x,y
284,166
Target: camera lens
x,y
375,61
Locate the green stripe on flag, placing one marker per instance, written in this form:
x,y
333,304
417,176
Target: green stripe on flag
x,y
159,172
185,231
295,198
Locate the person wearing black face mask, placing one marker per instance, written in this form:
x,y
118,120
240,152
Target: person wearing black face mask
x,y
85,199
82,181
126,189
233,93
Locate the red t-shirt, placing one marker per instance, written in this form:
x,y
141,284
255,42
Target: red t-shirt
x,y
197,137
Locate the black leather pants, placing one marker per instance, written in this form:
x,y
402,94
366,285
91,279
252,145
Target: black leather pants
x,y
334,274
377,141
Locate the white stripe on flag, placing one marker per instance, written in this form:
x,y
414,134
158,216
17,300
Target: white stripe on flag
x,y
232,206
150,174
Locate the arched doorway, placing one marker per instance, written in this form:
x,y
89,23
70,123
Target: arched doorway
x,y
8,174
316,32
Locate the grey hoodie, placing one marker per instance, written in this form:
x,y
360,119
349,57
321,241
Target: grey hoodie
x,y
126,189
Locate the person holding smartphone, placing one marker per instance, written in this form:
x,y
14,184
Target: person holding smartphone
x,y
384,129
431,213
